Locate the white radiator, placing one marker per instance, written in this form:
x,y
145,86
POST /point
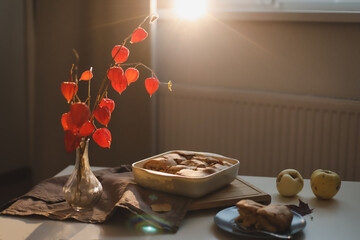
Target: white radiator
x,y
267,132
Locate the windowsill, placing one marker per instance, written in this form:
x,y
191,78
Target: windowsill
x,y
278,15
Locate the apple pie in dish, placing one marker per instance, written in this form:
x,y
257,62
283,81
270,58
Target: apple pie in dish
x,y
186,173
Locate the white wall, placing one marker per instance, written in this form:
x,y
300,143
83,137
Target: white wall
x,y
308,58
13,121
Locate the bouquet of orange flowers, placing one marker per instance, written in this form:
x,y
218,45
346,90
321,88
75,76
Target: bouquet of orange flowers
x,y
79,122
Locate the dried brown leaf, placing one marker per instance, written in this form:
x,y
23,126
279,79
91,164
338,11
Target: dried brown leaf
x,y
303,208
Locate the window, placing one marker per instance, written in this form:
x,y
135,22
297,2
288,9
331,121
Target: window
x,y
275,10
292,5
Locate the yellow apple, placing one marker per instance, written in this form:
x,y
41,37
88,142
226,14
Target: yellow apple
x,y
325,183
289,182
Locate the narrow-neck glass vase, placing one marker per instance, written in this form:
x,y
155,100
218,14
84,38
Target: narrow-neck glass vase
x,y
82,190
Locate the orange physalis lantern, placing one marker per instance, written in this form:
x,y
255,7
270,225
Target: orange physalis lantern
x,y
107,102
138,35
72,141
151,85
115,73
102,137
119,86
117,78
87,75
86,129
103,115
120,53
80,113
69,89
131,74
66,122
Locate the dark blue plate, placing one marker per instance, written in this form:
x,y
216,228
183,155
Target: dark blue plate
x,y
225,219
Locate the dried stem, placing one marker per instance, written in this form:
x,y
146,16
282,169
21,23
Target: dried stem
x,y
89,84
102,92
106,82
77,97
71,73
76,65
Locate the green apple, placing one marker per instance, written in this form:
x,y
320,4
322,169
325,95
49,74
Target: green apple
x,y
325,183
289,182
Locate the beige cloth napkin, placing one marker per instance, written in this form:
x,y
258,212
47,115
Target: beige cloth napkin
x,y
160,210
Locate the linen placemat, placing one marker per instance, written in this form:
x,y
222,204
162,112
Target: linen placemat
x,y
161,210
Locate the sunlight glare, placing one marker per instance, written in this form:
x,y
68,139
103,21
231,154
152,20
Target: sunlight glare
x,y
149,229
190,9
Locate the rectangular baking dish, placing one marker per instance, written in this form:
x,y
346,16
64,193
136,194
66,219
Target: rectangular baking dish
x,y
193,187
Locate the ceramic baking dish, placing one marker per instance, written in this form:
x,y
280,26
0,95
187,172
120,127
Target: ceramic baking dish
x,y
193,187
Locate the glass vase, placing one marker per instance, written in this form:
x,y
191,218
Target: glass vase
x,y
82,190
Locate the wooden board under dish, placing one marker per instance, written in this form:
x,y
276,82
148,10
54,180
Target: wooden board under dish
x,y
230,194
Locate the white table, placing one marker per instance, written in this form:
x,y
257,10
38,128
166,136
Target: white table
x,y
336,219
